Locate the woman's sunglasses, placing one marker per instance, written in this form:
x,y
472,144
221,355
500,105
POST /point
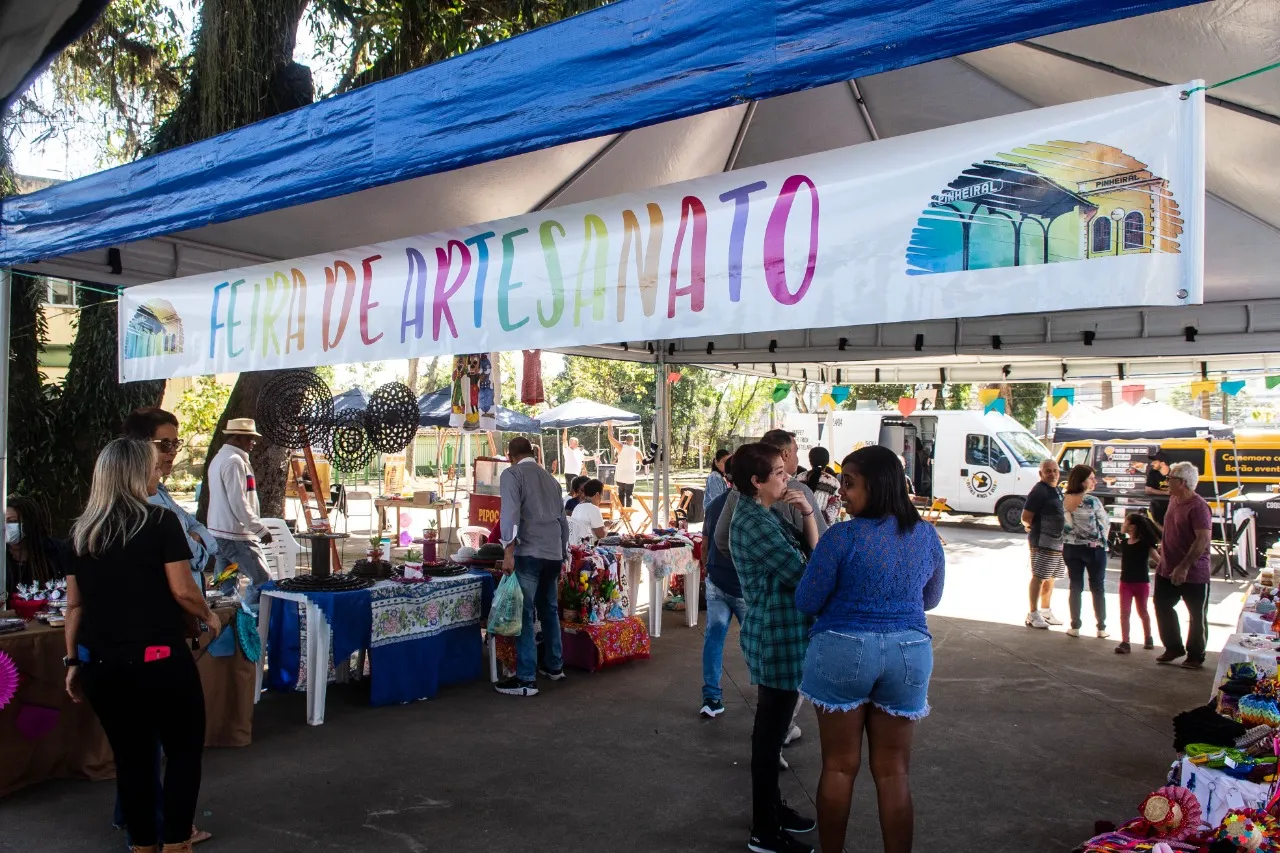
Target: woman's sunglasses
x,y
167,445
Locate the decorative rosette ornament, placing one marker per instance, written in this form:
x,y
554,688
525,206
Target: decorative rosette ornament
x,y
8,679
1251,830
1172,812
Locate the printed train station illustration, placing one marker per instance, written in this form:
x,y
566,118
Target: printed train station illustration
x,y
154,329
1060,201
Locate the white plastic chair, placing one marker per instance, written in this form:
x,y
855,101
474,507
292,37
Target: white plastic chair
x,y
472,537
370,511
282,551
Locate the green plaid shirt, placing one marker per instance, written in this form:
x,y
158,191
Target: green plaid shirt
x,y
775,634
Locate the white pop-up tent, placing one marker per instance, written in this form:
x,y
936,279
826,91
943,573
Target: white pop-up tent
x,y
685,90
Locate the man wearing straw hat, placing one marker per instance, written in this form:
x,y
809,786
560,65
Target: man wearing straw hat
x,y
233,509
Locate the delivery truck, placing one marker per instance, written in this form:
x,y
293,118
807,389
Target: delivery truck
x,y
980,464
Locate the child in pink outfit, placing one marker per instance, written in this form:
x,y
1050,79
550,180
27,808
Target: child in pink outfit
x,y
1136,554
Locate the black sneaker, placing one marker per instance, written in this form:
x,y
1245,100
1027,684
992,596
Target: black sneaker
x,y
712,708
1148,644
1122,649
792,821
557,675
516,687
776,842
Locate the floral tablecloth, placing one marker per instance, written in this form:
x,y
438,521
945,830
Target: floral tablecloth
x,y
661,564
613,643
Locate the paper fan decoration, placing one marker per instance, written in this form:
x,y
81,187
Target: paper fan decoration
x,y
247,636
8,679
1172,812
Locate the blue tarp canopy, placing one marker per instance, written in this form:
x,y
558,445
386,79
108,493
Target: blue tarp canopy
x,y
569,92
434,410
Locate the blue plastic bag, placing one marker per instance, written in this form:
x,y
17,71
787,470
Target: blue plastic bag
x,y
508,608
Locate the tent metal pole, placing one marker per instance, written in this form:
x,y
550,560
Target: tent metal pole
x,y
6,297
662,493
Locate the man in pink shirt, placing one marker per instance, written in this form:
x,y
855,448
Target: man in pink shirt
x,y
1183,574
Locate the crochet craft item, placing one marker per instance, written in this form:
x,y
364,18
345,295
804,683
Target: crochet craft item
x,y
391,418
348,444
333,583
8,679
295,409
247,636
1258,710
531,390
1172,813
1251,830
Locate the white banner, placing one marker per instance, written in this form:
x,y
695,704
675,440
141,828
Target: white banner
x,y
1083,205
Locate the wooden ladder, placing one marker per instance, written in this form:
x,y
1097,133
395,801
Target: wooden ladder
x,y
314,514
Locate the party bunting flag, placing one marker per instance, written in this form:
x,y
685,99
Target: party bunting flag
x,y
1272,382
986,395
1065,393
929,395
673,377
906,405
996,405
840,393
781,391
826,404
1232,388
1202,387
1133,394
1059,409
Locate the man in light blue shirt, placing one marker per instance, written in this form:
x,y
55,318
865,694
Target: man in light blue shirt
x,y
535,534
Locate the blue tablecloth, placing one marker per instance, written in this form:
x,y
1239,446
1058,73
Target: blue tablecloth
x,y
421,636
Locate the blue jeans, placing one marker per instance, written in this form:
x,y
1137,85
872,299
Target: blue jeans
x,y
250,560
844,671
539,580
721,609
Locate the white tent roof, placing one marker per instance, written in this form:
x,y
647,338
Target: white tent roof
x,y
1147,419
583,412
1212,40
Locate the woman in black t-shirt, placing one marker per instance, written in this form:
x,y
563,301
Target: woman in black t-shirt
x,y
130,598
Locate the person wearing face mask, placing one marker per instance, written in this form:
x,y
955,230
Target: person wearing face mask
x,y
154,424
34,555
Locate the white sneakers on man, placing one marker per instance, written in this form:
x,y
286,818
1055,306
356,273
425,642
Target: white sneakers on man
x,y
1035,619
1048,616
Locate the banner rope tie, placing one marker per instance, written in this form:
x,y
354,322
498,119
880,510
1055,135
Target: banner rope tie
x,y
1189,92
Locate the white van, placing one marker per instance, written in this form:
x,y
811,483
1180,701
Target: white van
x,y
979,464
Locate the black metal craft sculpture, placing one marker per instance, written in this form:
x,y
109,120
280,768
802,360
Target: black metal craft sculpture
x,y
295,410
391,418
348,445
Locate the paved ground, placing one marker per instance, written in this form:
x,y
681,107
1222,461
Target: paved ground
x,y
1034,736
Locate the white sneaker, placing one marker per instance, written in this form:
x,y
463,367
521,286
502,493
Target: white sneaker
x,y
1048,616
1073,632
1102,635
1036,620
782,763
792,735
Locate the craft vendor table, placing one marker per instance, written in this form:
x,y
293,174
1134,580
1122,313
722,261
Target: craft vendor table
x,y
1219,792
382,504
1252,622
44,735
1261,649
660,565
420,637
589,647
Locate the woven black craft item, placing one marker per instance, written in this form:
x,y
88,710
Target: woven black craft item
x,y
295,410
347,443
333,583
391,417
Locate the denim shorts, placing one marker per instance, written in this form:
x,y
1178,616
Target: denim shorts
x,y
843,671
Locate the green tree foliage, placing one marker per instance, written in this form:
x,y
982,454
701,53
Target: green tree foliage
x,y
1025,400
201,405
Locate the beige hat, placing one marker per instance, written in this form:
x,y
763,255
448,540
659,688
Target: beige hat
x,y
241,426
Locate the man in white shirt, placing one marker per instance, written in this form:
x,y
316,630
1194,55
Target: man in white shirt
x,y
575,458
628,465
233,509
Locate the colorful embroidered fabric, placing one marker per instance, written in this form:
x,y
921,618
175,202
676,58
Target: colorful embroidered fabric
x,y
531,390
408,612
615,642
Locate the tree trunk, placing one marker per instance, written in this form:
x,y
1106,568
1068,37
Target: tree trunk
x,y
410,452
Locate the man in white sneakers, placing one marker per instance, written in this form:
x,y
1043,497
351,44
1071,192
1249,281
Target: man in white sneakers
x,y
233,509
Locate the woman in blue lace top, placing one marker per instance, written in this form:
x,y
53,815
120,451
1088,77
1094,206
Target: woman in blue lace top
x,y
869,583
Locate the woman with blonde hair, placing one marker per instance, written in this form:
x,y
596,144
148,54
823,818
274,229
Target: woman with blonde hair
x,y
130,597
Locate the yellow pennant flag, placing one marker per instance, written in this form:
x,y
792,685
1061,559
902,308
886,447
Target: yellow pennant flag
x,y
987,395
827,403
1198,388
1059,409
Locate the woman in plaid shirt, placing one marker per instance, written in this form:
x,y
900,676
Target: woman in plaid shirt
x,y
775,635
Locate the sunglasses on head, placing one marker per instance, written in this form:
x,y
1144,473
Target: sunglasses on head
x,y
168,445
